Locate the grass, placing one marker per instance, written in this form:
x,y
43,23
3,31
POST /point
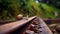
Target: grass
x,y
49,11
49,8
36,7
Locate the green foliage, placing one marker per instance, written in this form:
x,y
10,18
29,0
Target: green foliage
x,y
11,8
49,11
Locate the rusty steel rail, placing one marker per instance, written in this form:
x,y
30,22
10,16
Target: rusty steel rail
x,y
14,25
45,28
19,27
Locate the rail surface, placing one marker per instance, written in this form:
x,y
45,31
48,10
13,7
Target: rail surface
x,y
21,26
45,29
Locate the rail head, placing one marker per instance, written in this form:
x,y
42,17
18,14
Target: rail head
x,y
45,27
14,25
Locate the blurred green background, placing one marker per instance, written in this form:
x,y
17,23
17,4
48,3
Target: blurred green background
x,y
9,9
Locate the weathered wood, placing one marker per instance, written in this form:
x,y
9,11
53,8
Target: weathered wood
x,y
49,21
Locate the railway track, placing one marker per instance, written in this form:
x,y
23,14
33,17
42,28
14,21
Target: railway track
x,y
20,27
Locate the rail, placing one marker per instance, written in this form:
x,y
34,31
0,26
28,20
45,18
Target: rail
x,y
21,26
